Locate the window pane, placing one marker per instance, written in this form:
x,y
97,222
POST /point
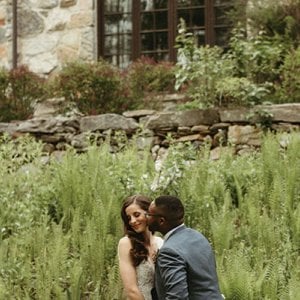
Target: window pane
x,y
116,44
118,23
158,4
200,36
154,41
192,17
147,41
147,21
222,36
126,41
185,15
124,61
161,20
109,42
161,56
117,6
121,60
223,2
161,40
221,16
187,3
198,18
147,5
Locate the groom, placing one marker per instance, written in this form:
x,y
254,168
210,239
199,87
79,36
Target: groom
x,y
185,267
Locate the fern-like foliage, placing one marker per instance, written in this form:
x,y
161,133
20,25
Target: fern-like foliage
x,y
60,222
238,279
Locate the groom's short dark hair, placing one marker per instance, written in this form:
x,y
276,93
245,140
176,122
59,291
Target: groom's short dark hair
x,y
171,208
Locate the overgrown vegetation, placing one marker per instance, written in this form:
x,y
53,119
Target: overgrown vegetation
x,y
60,222
94,87
147,76
19,90
260,64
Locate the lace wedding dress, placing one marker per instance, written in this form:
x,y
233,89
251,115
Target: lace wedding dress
x,y
145,278
145,274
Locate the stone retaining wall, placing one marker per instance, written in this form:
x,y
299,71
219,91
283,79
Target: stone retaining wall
x,y
218,127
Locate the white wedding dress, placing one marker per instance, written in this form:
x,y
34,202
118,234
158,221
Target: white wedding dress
x,y
145,273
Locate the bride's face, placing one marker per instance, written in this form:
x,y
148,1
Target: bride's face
x,y
136,218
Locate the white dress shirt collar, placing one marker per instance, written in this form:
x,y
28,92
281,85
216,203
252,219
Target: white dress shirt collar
x,y
166,236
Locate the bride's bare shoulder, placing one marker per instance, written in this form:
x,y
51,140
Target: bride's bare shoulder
x,y
124,242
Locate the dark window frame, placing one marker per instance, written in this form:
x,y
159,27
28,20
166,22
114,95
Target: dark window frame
x,y
210,26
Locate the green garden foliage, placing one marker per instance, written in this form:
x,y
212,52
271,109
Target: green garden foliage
x,y
289,88
278,18
244,75
20,89
95,87
259,64
256,57
147,77
60,222
201,69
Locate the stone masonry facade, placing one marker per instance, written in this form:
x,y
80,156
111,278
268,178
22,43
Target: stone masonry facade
x,y
50,33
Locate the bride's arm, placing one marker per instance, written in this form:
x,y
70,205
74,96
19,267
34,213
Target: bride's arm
x,y
128,271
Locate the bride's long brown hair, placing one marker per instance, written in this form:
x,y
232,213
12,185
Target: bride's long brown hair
x,y
138,251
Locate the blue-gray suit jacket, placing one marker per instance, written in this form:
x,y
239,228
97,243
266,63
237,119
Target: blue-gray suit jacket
x,y
185,268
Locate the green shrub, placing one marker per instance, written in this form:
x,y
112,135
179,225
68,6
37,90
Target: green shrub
x,y
19,157
288,90
256,57
276,18
200,69
244,75
241,91
95,87
20,89
4,83
145,76
214,78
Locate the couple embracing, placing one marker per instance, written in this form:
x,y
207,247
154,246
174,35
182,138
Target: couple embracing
x,y
182,266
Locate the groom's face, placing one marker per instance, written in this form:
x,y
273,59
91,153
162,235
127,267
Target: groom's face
x,y
154,218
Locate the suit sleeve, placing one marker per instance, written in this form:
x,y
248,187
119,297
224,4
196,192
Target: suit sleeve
x,y
172,269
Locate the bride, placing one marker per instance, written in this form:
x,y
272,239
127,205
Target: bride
x,y
137,249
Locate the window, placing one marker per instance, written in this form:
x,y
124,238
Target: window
x,y
128,29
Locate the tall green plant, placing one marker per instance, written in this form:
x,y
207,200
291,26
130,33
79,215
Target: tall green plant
x,y
241,76
256,57
247,206
94,87
288,89
4,84
200,68
280,18
20,89
146,77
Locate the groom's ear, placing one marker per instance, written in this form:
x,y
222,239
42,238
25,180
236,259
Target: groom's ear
x,y
162,220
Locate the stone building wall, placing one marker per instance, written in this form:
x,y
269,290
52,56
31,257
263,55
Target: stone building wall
x,y
50,32
5,31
